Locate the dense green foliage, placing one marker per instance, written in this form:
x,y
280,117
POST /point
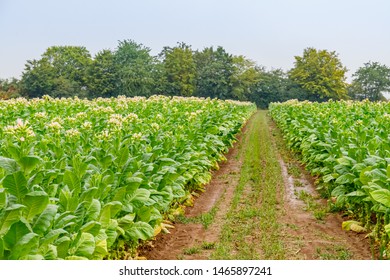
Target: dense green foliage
x,y
81,177
321,74
131,70
370,81
347,145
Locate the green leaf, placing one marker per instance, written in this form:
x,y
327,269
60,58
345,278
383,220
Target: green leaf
x,y
35,203
3,199
91,227
9,164
72,181
122,157
24,246
345,179
133,182
109,211
100,249
16,184
45,219
15,233
51,236
62,244
140,230
28,163
11,215
381,196
86,245
93,210
139,196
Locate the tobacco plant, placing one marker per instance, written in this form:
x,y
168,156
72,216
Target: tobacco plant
x,y
80,178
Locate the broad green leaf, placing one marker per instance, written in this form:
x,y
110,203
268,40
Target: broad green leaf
x,y
35,203
15,233
16,184
364,177
51,253
9,165
72,181
381,196
123,156
91,227
109,211
345,179
133,182
139,196
100,249
28,163
24,246
11,215
86,245
93,210
51,236
45,219
63,244
140,230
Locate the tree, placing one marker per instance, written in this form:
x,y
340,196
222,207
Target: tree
x,y
244,78
179,70
370,81
271,87
320,73
102,75
215,70
136,69
61,72
9,88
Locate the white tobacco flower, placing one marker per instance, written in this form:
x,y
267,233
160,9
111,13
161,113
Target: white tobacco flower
x,y
86,125
155,126
137,136
72,133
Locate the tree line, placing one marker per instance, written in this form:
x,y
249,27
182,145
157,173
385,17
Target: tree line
x,y
131,70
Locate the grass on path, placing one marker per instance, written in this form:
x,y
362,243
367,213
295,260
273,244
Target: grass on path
x,y
251,230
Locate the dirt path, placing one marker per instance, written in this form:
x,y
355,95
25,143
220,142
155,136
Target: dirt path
x,y
260,204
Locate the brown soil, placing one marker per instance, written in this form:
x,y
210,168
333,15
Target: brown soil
x,y
304,236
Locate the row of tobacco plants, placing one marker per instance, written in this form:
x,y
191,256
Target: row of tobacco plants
x,y
347,145
89,179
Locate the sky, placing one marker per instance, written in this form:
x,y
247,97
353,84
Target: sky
x,y
269,32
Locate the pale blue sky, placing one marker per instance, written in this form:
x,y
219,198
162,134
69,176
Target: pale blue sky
x,y
269,32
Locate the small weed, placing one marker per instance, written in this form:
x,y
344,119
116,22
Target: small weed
x,y
294,170
208,245
319,211
191,251
293,226
333,253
